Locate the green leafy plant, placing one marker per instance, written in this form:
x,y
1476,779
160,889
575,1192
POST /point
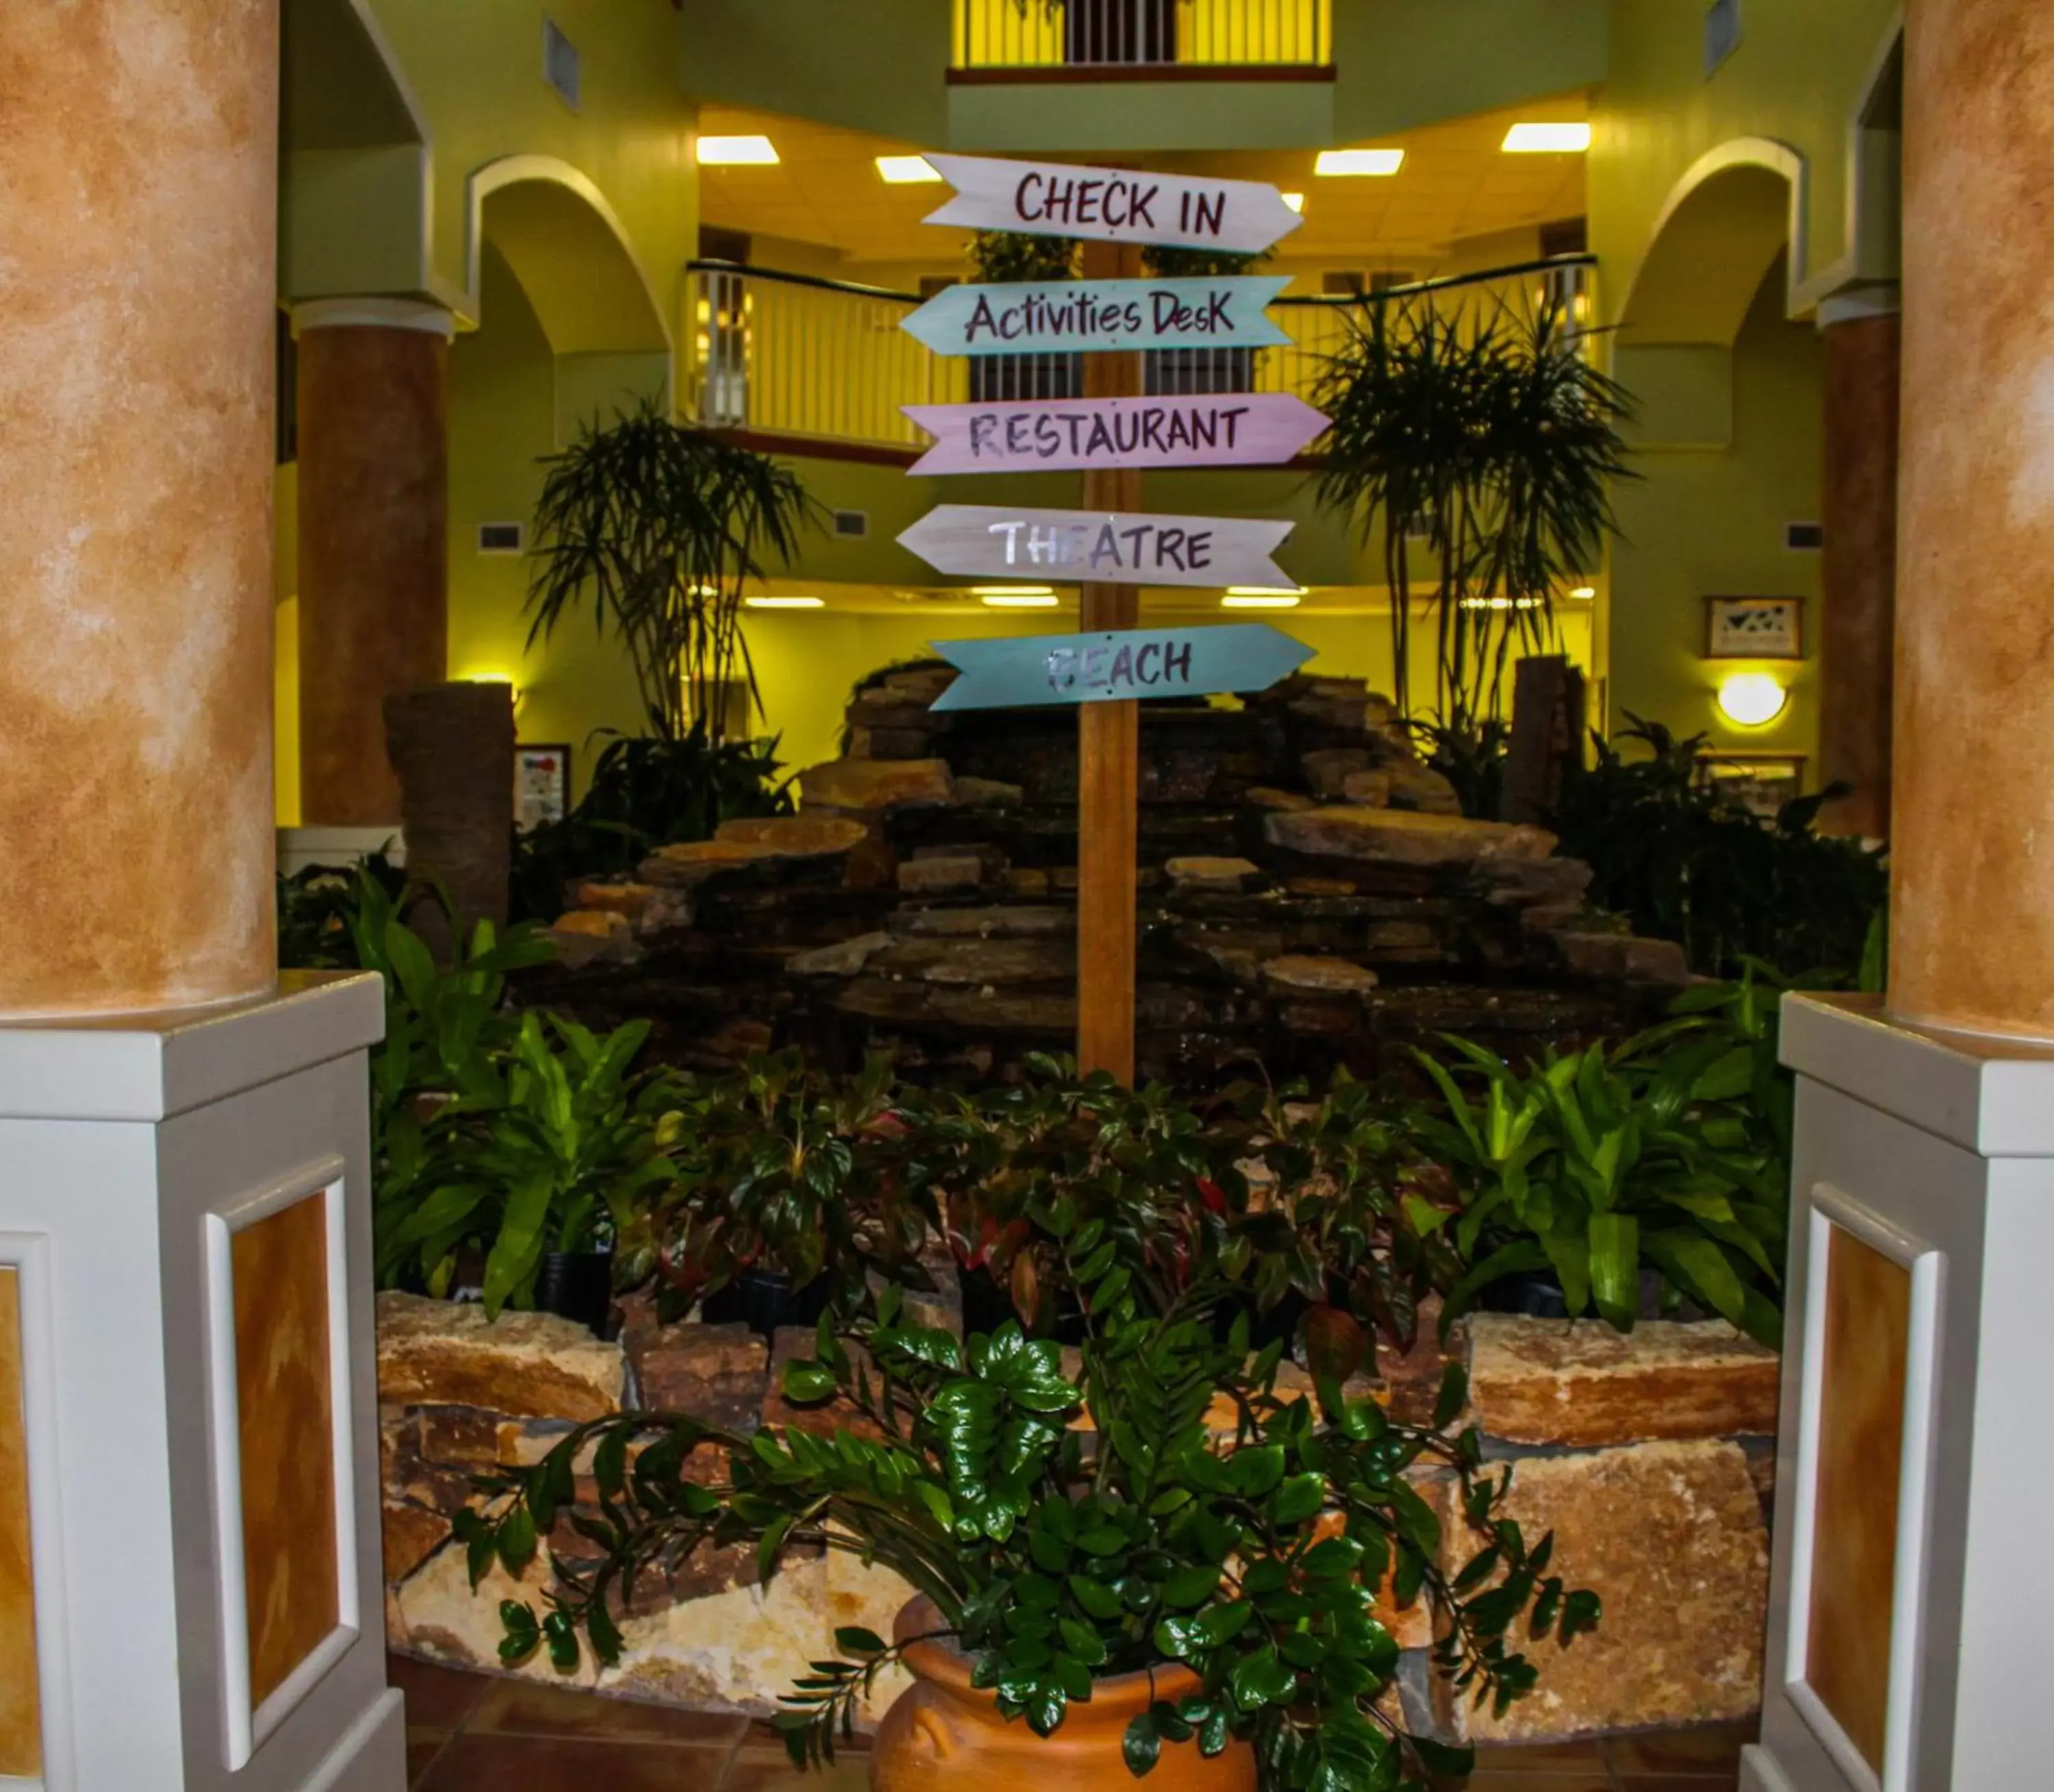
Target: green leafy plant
x,y
1002,257
994,1167
554,1148
1220,1525
1683,861
1672,1150
782,1168
647,790
1483,428
656,527
316,907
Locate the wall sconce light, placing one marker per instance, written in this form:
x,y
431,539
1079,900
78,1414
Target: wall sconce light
x,y
1752,699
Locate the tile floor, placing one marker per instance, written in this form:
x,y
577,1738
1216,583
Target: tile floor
x,y
478,1733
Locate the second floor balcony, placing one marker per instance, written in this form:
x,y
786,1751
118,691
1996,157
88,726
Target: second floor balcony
x,y
1002,41
806,365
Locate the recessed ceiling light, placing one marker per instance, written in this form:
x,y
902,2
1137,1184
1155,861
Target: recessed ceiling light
x,y
1011,591
777,603
1358,162
906,170
1582,591
1241,597
1295,201
756,151
1019,599
1547,139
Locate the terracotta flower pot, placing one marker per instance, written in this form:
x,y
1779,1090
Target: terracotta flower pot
x,y
945,1735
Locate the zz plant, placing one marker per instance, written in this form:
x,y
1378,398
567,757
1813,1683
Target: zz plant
x,y
1221,1523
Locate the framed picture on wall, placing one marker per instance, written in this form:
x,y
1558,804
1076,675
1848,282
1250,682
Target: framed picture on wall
x,y
1754,628
541,784
1762,781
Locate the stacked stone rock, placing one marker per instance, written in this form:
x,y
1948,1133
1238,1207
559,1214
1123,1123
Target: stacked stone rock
x,y
1310,895
1649,1457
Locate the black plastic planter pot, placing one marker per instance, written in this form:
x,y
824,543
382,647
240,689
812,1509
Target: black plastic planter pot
x,y
764,1299
578,1285
1533,1292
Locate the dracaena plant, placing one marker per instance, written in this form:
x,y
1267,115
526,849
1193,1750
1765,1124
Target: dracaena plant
x,y
1672,1150
1220,1523
555,1145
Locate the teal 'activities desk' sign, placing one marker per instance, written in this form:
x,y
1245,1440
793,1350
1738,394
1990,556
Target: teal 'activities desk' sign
x,y
1120,666
1039,317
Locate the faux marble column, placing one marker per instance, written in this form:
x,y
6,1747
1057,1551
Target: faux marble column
x,y
1859,335
1972,933
373,542
138,224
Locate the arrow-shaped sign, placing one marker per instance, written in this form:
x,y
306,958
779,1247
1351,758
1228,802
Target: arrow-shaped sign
x,y
1014,673
1060,316
1114,204
990,539
1242,429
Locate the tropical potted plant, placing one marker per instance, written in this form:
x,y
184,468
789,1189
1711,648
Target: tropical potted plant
x,y
1664,1161
549,1154
785,1197
656,527
1159,1563
993,1167
1488,430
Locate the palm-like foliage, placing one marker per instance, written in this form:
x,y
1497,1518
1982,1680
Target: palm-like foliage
x,y
1486,432
657,526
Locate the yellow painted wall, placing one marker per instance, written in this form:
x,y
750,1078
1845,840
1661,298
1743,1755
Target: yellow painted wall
x,y
1802,69
504,401
1710,522
475,66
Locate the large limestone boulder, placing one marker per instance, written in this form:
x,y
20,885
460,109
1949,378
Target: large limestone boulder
x,y
1670,1537
1539,1381
1402,837
867,784
527,1365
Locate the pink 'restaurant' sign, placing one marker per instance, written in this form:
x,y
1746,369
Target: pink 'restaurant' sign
x,y
1245,429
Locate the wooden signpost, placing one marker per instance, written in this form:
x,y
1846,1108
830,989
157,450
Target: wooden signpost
x,y
1065,316
1239,429
1110,546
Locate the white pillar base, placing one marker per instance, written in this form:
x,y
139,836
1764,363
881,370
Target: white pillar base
x,y
197,1627
1923,1212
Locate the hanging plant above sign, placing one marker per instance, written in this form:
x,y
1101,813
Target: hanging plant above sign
x,y
1118,665
1112,205
1246,429
979,539
1065,315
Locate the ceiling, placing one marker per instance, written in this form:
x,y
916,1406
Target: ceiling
x,y
1456,183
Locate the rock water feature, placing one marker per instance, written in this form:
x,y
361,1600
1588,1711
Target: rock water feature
x,y
1310,896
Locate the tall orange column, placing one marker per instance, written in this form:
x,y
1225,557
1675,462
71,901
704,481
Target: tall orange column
x,y
1858,609
139,157
1972,933
373,541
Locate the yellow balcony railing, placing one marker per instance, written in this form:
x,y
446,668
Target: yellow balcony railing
x,y
805,360
1100,37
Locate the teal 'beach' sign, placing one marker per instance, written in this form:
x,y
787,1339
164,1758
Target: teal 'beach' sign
x,y
1118,667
